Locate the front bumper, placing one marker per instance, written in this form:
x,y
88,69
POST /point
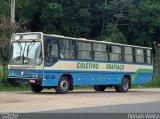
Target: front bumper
x,y
24,81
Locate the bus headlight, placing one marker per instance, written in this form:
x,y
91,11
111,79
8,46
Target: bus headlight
x,y
11,74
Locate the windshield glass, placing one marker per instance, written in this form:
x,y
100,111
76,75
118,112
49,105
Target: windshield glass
x,y
26,53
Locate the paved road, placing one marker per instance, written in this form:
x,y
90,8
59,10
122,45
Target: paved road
x,y
150,107
125,111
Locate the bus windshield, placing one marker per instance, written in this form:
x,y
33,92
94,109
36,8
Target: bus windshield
x,y
29,52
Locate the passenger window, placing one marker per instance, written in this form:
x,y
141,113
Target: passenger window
x,y
128,55
100,51
67,49
149,57
51,50
115,53
139,55
54,50
84,50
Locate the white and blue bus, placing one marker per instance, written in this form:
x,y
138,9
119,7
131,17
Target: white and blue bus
x,y
53,61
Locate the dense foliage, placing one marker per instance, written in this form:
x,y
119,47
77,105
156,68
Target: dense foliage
x,y
124,21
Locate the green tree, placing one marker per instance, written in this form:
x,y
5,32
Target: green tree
x,y
114,35
117,15
6,30
4,8
52,16
137,22
146,28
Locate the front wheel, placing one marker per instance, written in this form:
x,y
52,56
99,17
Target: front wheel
x,y
99,87
63,85
36,88
124,86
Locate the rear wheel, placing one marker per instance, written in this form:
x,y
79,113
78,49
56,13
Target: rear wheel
x,y
63,85
124,86
99,87
36,88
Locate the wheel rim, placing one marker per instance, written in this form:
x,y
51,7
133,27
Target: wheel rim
x,y
125,85
64,85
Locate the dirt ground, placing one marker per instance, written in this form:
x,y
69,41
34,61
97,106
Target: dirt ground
x,y
47,100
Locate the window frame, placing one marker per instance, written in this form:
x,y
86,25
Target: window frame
x,y
100,51
132,54
50,39
121,54
91,51
139,55
151,62
74,49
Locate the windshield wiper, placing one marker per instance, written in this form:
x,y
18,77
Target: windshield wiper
x,y
20,46
30,46
24,52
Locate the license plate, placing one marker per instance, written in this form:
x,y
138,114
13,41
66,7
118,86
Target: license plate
x,y
32,81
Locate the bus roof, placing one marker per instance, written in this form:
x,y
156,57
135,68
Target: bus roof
x,y
87,40
94,41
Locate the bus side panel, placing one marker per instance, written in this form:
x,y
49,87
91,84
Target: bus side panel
x,y
51,78
94,78
142,78
77,79
103,79
111,78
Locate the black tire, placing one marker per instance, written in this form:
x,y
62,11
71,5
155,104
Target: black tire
x,y
36,88
124,86
63,85
99,87
117,89
71,88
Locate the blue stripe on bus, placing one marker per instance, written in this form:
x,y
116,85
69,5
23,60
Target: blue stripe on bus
x,y
95,72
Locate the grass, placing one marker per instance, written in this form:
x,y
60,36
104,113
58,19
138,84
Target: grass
x,y
153,84
4,86
25,87
10,88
